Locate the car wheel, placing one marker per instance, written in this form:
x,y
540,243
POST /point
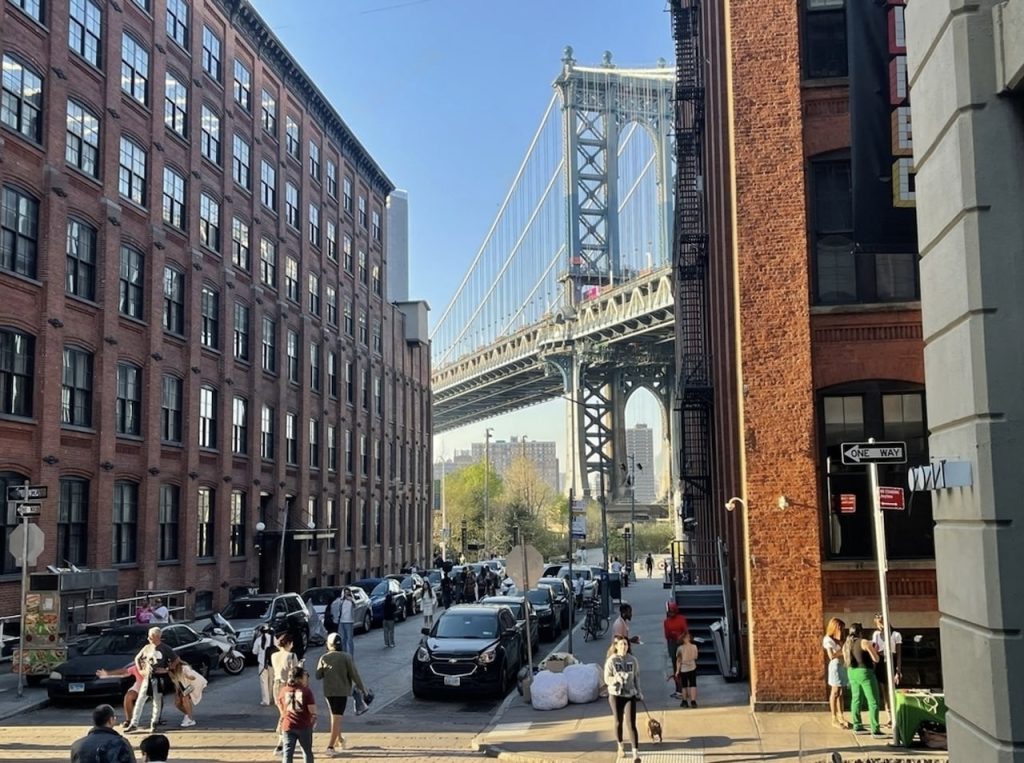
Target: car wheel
x,y
34,680
418,693
503,683
402,614
367,622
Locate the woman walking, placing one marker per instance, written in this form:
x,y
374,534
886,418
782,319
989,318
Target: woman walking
x,y
282,663
429,604
340,678
297,706
837,680
389,612
686,670
263,647
621,674
860,657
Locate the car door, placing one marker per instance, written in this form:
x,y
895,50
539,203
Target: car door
x,y
190,648
511,637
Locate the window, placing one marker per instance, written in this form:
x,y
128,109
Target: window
x,y
267,433
33,8
209,310
21,99
314,444
314,160
83,139
84,29
378,458
268,262
269,345
204,523
375,227
291,441
175,104
350,463
130,286
207,417
128,406
291,279
243,85
170,409
291,136
268,113
364,456
362,211
364,333
313,514
174,300
375,280
350,382
240,426
209,222
132,172
332,373
365,390
332,305
73,521
211,53
237,523
174,198
291,205
346,203
168,522
177,22
268,185
349,323
825,52
134,69
124,523
240,162
332,241
314,225
240,244
76,388
346,249
81,260
378,396
332,179
292,353
314,294
362,267
332,447
377,347
314,366
241,331
209,134
17,378
332,524
143,4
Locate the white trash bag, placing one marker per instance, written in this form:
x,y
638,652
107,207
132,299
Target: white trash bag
x,y
584,682
549,691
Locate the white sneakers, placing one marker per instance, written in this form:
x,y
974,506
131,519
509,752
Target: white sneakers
x,y
187,722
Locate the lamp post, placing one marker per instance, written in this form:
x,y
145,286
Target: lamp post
x,y
487,488
631,482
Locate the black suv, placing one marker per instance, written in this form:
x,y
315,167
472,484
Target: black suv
x,y
547,610
471,649
412,584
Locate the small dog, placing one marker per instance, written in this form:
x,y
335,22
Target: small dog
x,y
654,730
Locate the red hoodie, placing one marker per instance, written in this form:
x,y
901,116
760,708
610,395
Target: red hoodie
x,y
675,625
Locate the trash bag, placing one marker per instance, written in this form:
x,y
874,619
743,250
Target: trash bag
x,y
583,682
549,691
557,661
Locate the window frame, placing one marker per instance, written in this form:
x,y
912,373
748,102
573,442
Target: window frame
x,y
80,259
29,99
79,151
173,319
175,113
131,282
124,523
174,203
176,23
241,331
171,409
76,387
136,71
211,59
17,372
128,406
131,182
208,419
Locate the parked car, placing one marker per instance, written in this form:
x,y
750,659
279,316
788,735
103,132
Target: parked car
x,y
549,616
281,611
376,589
563,596
471,649
520,606
412,584
321,599
434,578
497,566
589,581
115,648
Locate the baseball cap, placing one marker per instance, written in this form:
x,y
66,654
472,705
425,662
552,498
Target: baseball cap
x,y
333,640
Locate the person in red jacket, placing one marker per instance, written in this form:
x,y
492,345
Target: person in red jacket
x,y
675,626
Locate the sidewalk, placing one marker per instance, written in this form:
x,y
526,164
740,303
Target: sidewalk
x,y
722,728
10,704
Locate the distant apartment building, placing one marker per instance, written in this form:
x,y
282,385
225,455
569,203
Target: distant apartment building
x,y
398,246
640,445
503,453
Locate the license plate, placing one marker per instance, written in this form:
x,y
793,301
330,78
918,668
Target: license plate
x,y
452,680
73,688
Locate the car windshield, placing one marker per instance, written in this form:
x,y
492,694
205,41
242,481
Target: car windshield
x,y
117,642
434,577
380,589
368,586
538,597
459,625
246,609
320,596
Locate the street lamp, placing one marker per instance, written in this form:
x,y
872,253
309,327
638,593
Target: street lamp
x,y
261,527
631,482
487,490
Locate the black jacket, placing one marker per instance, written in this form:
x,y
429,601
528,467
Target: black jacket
x,y
389,608
102,745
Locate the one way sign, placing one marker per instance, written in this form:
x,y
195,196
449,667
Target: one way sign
x,y
855,453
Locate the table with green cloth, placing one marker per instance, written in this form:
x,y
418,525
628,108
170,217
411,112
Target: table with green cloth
x,y
914,706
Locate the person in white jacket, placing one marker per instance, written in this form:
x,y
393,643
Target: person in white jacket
x,y
262,647
621,675
429,605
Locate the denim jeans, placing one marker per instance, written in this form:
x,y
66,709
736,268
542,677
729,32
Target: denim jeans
x,y
298,738
347,643
389,632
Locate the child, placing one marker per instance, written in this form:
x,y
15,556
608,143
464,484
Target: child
x,y
686,670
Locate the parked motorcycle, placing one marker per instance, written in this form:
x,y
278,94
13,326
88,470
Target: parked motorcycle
x,y
220,632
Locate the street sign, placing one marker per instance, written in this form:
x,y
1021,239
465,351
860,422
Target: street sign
x,y
856,453
579,507
16,545
34,493
24,508
890,498
847,503
579,528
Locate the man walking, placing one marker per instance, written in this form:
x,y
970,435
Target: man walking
x,y
343,609
621,625
102,742
649,563
155,660
388,619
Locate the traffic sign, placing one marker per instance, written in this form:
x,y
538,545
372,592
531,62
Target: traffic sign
x,y
19,493
16,545
855,453
579,528
890,498
579,507
524,566
26,509
847,503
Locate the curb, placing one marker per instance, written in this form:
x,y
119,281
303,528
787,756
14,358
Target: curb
x,y
28,708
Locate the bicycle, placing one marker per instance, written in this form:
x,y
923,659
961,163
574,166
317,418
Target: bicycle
x,y
595,624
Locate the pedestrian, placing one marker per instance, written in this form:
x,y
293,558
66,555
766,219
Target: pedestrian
x,y
686,670
860,657
161,614
263,647
620,628
429,604
155,661
102,742
388,613
297,706
132,695
881,673
155,748
674,627
577,589
346,620
616,565
188,691
621,675
649,564
837,680
469,586
282,663
144,613
341,680
446,591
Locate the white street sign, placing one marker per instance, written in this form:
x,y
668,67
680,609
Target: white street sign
x,y
874,453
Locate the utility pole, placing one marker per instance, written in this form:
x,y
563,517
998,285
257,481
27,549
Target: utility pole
x,y
444,512
487,489
631,481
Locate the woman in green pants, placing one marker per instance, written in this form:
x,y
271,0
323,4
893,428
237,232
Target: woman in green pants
x,y
860,656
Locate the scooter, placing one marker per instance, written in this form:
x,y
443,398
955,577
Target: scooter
x,y
220,632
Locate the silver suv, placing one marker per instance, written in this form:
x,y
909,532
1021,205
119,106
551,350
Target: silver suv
x,y
281,611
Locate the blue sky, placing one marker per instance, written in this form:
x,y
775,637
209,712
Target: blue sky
x,y
446,94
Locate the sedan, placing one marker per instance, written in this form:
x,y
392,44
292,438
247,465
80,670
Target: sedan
x,y
320,599
376,589
471,649
115,648
523,612
549,620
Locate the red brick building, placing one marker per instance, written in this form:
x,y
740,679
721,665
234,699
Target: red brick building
x,y
814,343
193,332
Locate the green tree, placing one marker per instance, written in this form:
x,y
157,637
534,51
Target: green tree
x,y
464,501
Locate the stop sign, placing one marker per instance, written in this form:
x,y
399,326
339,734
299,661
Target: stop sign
x,y
524,568
35,542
